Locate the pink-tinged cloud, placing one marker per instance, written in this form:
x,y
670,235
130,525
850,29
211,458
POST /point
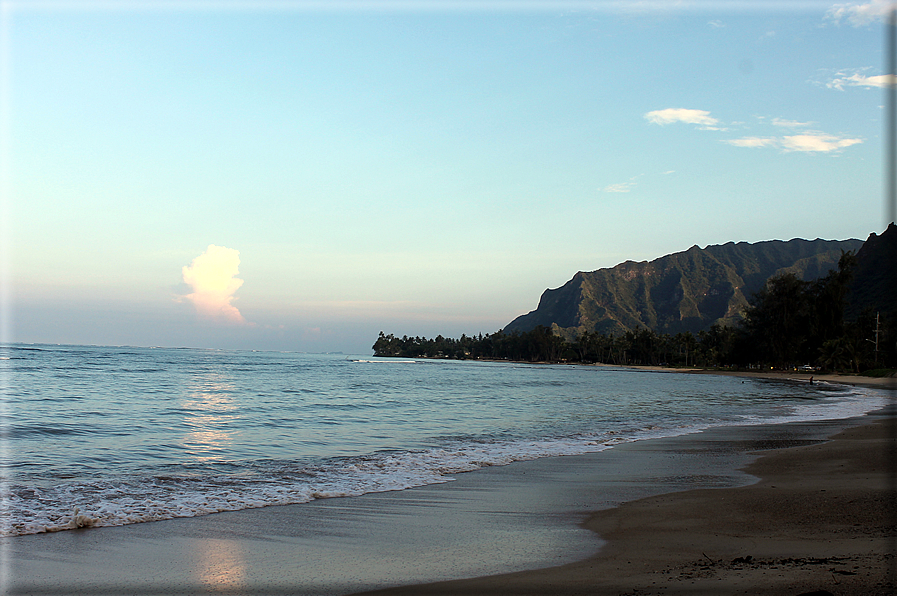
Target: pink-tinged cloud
x,y
212,277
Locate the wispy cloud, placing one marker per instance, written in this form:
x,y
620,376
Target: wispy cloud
x,y
672,115
859,14
716,24
753,142
632,182
857,79
212,277
790,123
809,142
620,187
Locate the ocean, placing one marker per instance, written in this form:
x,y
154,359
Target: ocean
x,y
105,436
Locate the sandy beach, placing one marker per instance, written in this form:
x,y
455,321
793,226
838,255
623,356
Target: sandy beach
x,y
778,375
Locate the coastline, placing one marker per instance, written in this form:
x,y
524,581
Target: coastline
x,y
820,520
801,377
796,376
417,536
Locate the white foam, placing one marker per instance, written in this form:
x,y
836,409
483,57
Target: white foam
x,y
139,499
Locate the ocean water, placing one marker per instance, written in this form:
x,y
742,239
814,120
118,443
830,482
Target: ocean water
x,y
105,436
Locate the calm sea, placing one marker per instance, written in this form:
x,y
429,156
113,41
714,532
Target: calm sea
x,y
103,436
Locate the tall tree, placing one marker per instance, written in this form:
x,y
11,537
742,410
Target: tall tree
x,y
778,319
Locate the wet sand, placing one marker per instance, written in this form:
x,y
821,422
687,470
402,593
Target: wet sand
x,y
820,521
528,515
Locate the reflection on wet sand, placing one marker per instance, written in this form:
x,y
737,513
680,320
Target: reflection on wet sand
x,y
219,564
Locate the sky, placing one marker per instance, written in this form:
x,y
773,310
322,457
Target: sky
x,y
300,176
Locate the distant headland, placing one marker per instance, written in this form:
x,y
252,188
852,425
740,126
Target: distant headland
x,y
817,304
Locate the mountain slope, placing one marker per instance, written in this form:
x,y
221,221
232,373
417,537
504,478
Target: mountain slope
x,y
685,291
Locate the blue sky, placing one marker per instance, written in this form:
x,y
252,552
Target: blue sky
x,y
419,168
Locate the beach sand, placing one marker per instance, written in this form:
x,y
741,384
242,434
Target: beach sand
x,y
820,520
817,520
886,383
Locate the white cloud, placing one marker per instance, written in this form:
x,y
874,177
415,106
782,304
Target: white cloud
x,y
716,24
810,142
212,277
672,115
816,142
860,80
860,14
790,123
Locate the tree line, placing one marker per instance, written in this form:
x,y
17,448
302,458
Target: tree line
x,y
789,323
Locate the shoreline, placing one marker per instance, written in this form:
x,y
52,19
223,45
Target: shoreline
x,y
793,375
801,377
416,536
820,519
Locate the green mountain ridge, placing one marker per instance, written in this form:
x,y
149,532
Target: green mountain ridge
x,y
685,291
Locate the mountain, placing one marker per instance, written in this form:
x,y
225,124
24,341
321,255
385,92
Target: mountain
x,y
874,283
684,291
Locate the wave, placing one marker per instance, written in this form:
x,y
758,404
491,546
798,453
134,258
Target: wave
x,y
186,492
38,430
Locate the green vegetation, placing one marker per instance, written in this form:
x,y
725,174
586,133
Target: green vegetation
x,y
791,322
639,347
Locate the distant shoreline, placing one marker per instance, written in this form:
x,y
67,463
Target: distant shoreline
x,y
781,375
839,379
